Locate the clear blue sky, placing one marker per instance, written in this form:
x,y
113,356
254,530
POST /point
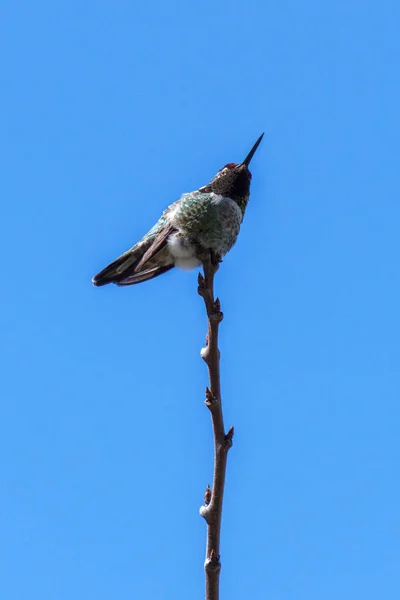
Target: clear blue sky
x,y
110,110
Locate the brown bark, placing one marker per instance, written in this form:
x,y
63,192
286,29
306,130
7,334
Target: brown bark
x,y
211,511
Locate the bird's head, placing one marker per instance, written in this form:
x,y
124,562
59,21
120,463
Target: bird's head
x,y
233,180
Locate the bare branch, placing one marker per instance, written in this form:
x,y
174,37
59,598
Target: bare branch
x,y
212,509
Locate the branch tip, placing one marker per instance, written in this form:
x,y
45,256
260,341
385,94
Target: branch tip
x,y
215,260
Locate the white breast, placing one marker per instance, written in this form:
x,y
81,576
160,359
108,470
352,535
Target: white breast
x,y
184,254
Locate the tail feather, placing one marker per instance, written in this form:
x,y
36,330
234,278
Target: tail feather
x,y
116,270
144,275
122,271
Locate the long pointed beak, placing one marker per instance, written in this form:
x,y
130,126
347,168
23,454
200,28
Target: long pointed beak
x,y
252,151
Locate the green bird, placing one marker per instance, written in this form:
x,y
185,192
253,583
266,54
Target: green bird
x,y
207,220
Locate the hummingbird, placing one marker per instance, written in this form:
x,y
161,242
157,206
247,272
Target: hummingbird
x,y
204,221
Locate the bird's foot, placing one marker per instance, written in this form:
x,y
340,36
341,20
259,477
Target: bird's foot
x,y
215,258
